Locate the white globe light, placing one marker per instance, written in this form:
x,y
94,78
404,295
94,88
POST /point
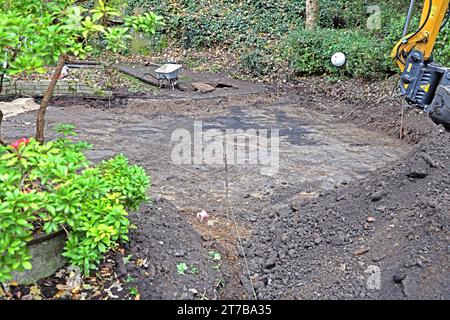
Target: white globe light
x,y
338,59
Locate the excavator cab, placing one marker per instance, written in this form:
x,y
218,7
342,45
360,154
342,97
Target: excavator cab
x,y
423,83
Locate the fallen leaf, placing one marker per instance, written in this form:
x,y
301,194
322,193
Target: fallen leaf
x,y
76,296
60,273
61,287
76,290
194,291
87,287
35,290
140,262
35,294
60,294
105,272
361,251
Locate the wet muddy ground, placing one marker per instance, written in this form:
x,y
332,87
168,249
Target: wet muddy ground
x,y
262,206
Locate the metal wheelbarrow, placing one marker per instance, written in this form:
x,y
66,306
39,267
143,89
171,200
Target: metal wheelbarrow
x,y
169,73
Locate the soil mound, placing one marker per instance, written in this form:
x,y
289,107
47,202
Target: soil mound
x,y
384,237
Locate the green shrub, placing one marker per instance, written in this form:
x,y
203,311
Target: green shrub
x,y
197,24
310,53
45,188
256,63
249,25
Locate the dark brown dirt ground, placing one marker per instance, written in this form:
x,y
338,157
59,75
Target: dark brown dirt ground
x,y
343,162
397,219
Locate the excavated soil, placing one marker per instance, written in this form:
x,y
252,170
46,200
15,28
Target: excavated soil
x,y
354,212
391,227
396,220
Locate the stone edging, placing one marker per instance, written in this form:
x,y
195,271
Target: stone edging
x,y
64,87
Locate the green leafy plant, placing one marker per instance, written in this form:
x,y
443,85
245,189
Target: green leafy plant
x,y
116,39
194,270
66,129
442,52
127,258
49,187
89,26
182,268
129,279
34,33
134,292
103,10
214,255
220,283
147,23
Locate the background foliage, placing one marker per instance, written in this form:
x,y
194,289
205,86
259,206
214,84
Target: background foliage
x,y
269,35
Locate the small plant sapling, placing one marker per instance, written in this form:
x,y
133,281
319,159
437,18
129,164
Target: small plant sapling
x,y
182,268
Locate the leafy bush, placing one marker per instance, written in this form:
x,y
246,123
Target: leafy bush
x,y
45,188
147,22
103,11
442,49
199,23
34,33
258,29
310,53
115,39
256,63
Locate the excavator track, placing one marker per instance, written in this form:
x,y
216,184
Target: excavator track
x,y
439,110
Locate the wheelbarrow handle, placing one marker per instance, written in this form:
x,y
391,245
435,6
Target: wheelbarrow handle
x,y
147,73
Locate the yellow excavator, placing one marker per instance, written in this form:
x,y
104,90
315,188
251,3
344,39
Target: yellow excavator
x,y
423,83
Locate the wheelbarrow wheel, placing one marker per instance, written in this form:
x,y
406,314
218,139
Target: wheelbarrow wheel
x,y
174,83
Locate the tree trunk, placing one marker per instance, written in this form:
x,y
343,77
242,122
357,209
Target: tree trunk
x,y
40,119
3,143
2,77
312,14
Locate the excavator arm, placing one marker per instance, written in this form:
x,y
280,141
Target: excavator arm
x,y
425,84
